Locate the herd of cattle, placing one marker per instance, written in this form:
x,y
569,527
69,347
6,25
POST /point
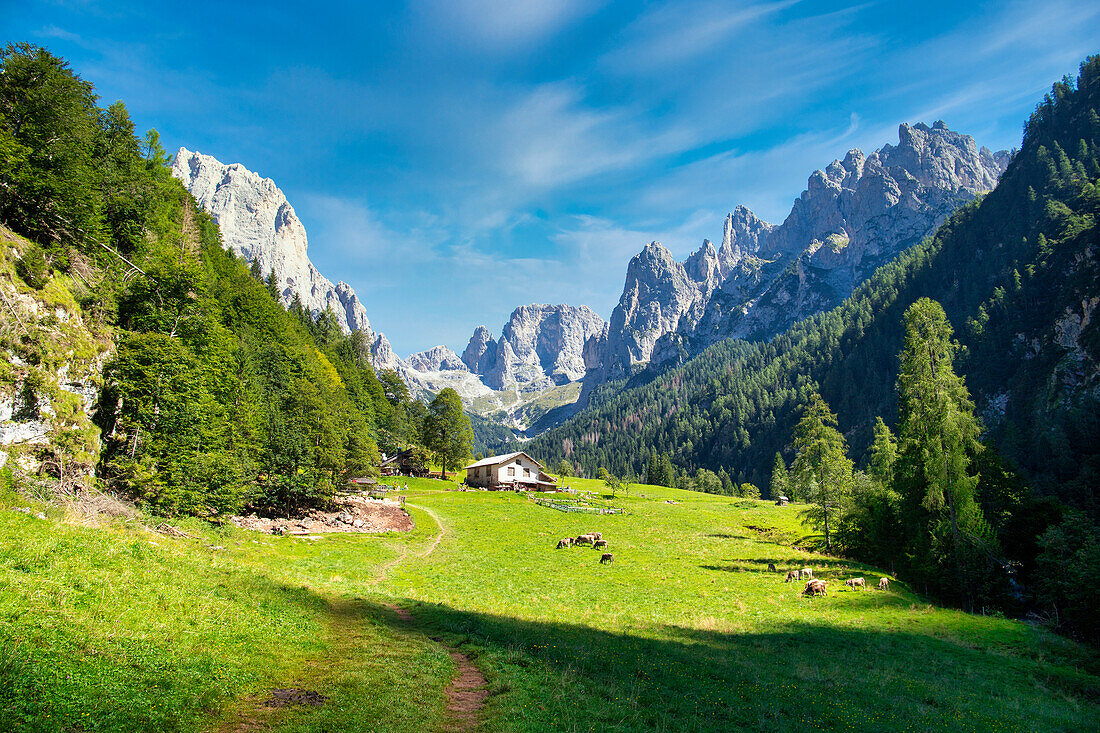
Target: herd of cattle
x,y
814,586
593,539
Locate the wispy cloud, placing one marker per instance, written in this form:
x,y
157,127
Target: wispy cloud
x,y
501,24
673,32
452,159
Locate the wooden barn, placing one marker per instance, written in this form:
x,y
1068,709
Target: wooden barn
x,y
510,471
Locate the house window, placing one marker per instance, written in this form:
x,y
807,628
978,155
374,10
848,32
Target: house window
x,y
511,470
526,472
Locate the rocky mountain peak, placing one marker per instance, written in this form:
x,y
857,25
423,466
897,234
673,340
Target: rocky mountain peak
x,y
742,234
541,345
702,266
258,224
437,359
855,214
480,352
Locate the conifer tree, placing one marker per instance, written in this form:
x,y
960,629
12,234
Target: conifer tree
x,y
884,453
273,285
667,474
822,472
937,440
780,484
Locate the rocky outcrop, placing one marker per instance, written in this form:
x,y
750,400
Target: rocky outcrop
x,y
438,358
855,215
540,346
53,370
258,224
481,353
659,295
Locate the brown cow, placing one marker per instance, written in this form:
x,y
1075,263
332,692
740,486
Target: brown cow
x,y
854,583
600,543
771,567
567,542
607,558
884,584
791,575
815,588
596,535
584,539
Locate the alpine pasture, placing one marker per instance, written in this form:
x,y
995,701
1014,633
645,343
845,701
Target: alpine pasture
x,y
114,627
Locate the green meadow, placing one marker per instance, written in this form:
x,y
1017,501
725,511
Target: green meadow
x,y
115,627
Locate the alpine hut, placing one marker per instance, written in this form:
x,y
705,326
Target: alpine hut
x,y
510,471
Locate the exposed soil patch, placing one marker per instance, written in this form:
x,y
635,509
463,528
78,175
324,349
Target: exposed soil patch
x,y
468,691
295,696
402,613
349,514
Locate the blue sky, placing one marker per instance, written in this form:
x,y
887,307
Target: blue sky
x,y
454,159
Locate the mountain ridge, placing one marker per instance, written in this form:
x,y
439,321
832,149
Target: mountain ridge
x,y
853,216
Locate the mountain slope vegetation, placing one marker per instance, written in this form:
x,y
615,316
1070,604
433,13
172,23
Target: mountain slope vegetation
x,y
1016,273
214,396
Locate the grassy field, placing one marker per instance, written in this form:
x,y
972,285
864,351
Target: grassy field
x,y
115,628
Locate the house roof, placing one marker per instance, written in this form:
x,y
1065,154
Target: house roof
x,y
496,460
397,456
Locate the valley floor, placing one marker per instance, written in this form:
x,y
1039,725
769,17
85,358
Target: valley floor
x,y
114,627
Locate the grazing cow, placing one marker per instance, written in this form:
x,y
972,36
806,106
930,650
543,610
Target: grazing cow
x,y
584,539
884,584
607,558
807,573
815,588
854,583
791,575
567,542
596,535
771,567
600,543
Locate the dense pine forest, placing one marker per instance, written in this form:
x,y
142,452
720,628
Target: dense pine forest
x,y
1016,274
1005,269
215,397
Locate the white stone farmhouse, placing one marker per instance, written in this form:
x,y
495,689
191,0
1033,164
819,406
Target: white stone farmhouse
x,y
510,471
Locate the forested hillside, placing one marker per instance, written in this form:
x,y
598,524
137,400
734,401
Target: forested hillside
x,y
213,395
1017,274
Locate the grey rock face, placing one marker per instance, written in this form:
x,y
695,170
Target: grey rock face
x,y
481,352
854,216
540,346
259,224
436,359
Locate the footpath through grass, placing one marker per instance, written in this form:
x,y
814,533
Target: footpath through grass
x,y
117,628
688,630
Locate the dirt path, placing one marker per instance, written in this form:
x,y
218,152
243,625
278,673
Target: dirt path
x,y
439,522
466,694
384,569
468,690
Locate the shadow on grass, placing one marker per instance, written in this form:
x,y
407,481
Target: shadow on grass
x,y
754,566
546,675
564,676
